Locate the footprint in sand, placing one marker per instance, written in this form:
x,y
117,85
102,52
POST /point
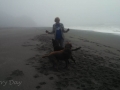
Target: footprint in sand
x,y
71,37
75,81
72,85
41,71
34,66
82,85
42,83
32,58
66,79
9,78
32,62
17,73
59,76
38,87
58,88
58,83
32,39
118,50
78,87
37,44
41,61
46,73
37,68
63,74
51,78
37,55
36,76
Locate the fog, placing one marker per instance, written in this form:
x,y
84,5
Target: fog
x,y
40,13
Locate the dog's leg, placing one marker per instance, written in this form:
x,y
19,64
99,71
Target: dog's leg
x,y
72,59
55,63
66,61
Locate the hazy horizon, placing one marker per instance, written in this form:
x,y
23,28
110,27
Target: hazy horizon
x,y
41,13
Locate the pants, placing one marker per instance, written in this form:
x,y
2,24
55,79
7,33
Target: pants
x,y
61,42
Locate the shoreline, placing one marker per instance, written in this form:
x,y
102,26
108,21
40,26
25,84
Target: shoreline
x,y
83,30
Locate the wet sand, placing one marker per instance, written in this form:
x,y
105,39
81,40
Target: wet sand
x,y
22,68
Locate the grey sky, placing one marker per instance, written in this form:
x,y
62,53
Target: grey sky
x,y
71,12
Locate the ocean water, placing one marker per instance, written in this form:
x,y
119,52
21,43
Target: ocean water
x,y
103,29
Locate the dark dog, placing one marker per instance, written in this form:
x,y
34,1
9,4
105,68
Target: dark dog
x,y
64,54
57,47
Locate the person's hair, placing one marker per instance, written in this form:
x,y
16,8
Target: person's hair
x,y
57,18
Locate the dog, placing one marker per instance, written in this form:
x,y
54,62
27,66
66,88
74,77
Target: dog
x,y
64,54
57,47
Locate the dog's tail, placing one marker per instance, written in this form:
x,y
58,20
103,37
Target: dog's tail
x,y
76,49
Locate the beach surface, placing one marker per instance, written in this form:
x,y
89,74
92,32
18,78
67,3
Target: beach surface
x,y
23,68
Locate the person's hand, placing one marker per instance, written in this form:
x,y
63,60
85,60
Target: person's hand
x,y
46,31
68,29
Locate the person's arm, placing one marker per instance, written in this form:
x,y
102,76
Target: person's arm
x,y
53,30
64,29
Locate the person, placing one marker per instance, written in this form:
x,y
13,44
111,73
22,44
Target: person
x,y
58,30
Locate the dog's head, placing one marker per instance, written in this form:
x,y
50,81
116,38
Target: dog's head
x,y
68,45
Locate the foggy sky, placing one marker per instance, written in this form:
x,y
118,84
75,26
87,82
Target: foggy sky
x,y
71,12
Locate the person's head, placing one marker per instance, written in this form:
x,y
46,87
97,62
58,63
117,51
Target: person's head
x,y
57,19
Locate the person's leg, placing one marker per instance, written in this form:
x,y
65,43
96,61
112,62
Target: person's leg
x,y
61,43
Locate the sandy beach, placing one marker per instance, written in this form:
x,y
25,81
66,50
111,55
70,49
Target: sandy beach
x,y
23,68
